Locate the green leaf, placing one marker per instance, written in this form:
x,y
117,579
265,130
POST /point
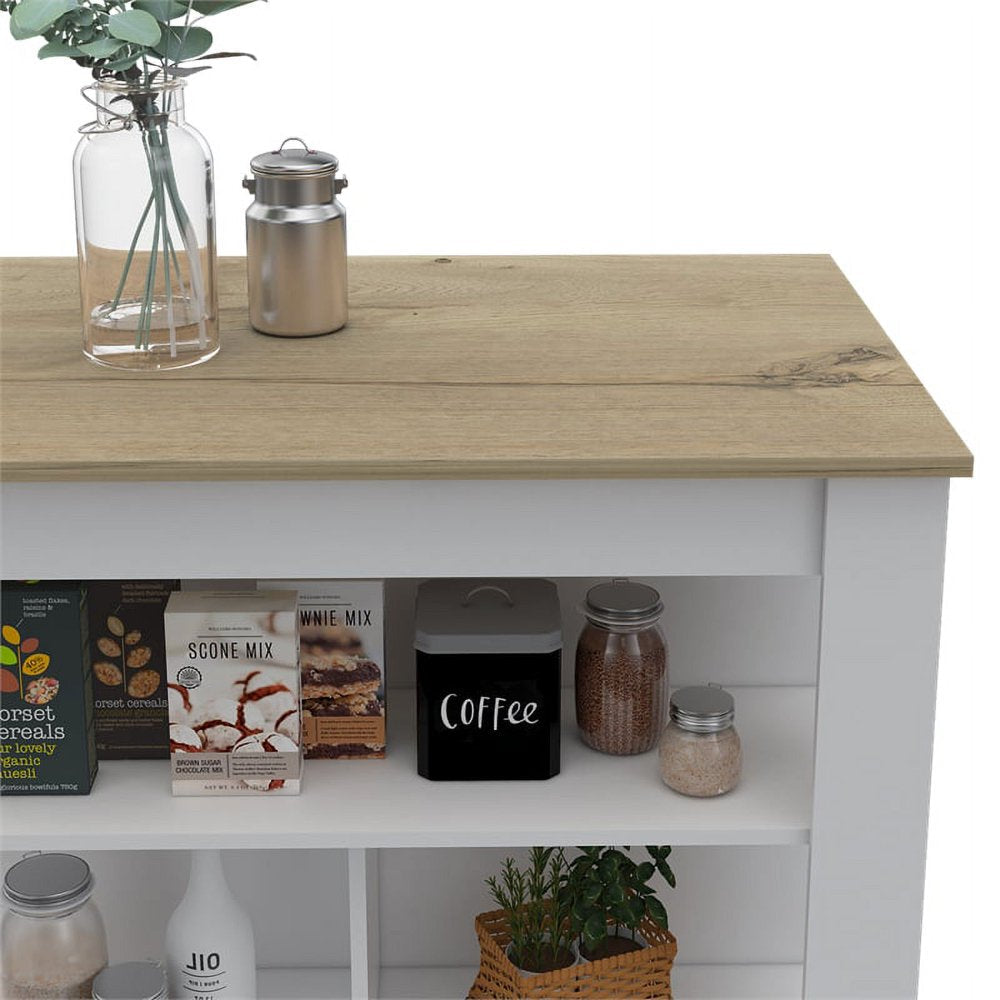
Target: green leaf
x,y
592,893
162,10
101,48
645,871
56,48
135,26
32,17
594,929
229,55
123,62
615,894
637,907
208,7
667,872
177,45
657,911
7,656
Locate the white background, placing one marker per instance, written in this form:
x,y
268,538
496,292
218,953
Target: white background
x,y
863,128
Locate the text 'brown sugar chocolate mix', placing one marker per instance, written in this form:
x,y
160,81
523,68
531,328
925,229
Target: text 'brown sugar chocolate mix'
x,y
621,669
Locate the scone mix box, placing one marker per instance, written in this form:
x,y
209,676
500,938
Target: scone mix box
x,y
342,651
130,667
47,741
233,691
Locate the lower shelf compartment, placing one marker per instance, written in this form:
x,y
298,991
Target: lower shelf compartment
x,y
691,982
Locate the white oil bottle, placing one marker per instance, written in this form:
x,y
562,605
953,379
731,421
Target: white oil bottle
x,y
210,950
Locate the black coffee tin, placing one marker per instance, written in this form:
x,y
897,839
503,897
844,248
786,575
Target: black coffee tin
x,y
488,658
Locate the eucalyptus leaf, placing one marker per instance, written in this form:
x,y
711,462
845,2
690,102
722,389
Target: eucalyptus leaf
x,y
56,48
209,7
101,48
179,45
32,17
162,10
229,55
135,26
186,70
123,62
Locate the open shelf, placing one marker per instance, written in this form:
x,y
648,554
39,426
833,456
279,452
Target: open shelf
x,y
690,982
596,799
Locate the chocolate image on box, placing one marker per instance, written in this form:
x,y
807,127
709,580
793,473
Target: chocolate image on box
x,y
341,649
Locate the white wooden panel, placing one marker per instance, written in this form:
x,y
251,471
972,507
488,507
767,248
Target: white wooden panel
x,y
384,803
881,608
297,901
411,528
731,905
730,630
363,873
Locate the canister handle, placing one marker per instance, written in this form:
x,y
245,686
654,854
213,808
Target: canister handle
x,y
294,138
484,587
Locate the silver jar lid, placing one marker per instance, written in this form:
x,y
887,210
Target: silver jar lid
x,y
703,709
295,162
622,603
48,881
131,981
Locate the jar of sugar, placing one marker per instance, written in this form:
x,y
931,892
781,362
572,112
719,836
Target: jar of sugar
x,y
621,668
53,936
700,751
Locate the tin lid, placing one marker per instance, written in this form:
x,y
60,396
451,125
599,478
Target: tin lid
x,y
706,708
131,981
48,881
294,162
623,603
488,616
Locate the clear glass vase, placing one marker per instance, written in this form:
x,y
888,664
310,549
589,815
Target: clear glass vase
x,y
145,217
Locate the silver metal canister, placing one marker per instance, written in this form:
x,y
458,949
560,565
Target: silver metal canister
x,y
296,243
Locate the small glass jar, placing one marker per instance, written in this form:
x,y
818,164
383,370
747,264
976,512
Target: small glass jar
x,y
700,752
53,935
131,981
621,669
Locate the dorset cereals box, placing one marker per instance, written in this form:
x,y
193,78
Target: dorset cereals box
x,y
46,703
233,689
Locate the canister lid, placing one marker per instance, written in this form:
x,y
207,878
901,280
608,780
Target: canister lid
x,y
294,162
705,708
48,880
622,602
131,981
488,616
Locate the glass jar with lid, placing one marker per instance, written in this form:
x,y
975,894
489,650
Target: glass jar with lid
x,y
700,751
131,981
53,939
621,668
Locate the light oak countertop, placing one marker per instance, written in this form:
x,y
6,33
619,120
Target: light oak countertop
x,y
488,367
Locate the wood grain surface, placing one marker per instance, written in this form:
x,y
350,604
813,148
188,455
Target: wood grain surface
x,y
483,367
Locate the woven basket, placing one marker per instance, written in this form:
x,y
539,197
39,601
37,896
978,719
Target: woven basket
x,y
637,975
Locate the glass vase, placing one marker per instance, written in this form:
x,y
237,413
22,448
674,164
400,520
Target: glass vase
x,y
145,217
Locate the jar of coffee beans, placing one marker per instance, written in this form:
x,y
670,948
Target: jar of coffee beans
x,y
621,669
700,752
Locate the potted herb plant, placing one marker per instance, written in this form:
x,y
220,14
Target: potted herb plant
x,y
145,213
540,930
602,899
609,899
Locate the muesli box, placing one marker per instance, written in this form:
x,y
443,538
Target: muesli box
x,y
130,667
342,653
46,703
233,689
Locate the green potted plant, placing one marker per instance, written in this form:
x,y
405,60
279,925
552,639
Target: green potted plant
x,y
609,898
538,919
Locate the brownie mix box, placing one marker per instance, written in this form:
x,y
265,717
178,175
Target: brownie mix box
x,y
47,743
342,652
233,692
130,667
